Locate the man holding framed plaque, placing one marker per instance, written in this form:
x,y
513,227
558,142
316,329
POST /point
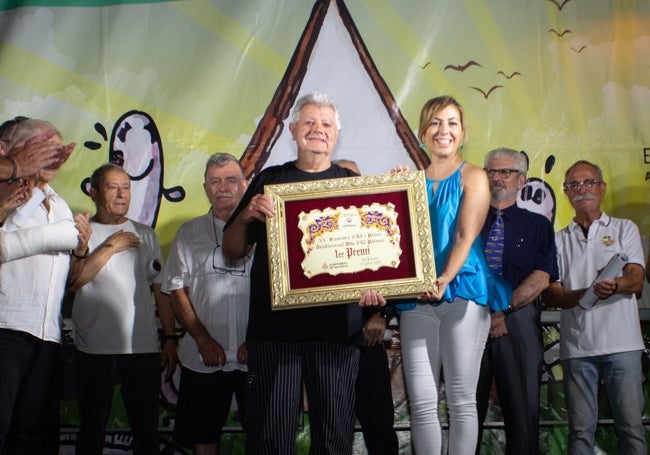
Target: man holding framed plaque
x,y
318,345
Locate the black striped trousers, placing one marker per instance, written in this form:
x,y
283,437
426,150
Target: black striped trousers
x,y
277,371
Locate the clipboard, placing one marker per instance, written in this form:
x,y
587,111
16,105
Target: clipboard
x,y
610,271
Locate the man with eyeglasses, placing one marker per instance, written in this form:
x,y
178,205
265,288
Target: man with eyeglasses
x,y
115,319
602,344
210,296
514,351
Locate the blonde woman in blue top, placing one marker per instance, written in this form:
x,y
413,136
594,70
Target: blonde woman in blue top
x,y
446,328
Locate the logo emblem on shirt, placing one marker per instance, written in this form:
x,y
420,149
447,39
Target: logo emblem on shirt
x,y
606,240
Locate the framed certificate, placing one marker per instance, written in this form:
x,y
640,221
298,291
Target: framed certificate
x,y
332,239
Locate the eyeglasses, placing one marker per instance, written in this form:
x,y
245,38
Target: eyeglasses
x,y
219,264
222,266
503,173
575,186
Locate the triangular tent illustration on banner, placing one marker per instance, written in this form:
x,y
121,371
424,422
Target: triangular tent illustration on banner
x,y
332,58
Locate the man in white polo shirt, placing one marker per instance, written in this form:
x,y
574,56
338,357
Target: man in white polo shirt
x,y
602,343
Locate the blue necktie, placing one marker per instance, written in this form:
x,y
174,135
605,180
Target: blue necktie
x,y
494,243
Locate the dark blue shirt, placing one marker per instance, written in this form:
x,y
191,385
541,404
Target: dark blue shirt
x,y
529,244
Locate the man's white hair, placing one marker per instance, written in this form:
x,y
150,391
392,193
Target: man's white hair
x,y
319,99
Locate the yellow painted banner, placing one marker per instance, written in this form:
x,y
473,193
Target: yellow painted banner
x,y
560,80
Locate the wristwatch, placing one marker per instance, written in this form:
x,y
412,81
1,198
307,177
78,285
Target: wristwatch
x,y
14,171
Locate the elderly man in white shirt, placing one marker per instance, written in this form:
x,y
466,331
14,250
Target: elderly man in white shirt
x,y
117,309
600,343
210,298
32,284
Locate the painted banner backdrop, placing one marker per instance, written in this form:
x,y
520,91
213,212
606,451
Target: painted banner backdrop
x,y
159,86
134,81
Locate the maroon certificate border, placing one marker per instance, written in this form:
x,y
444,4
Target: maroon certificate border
x,y
406,193
297,279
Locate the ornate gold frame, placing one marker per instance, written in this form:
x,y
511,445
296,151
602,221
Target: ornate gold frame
x,y
411,183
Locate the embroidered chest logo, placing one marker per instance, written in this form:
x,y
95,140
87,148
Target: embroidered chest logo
x,y
607,240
